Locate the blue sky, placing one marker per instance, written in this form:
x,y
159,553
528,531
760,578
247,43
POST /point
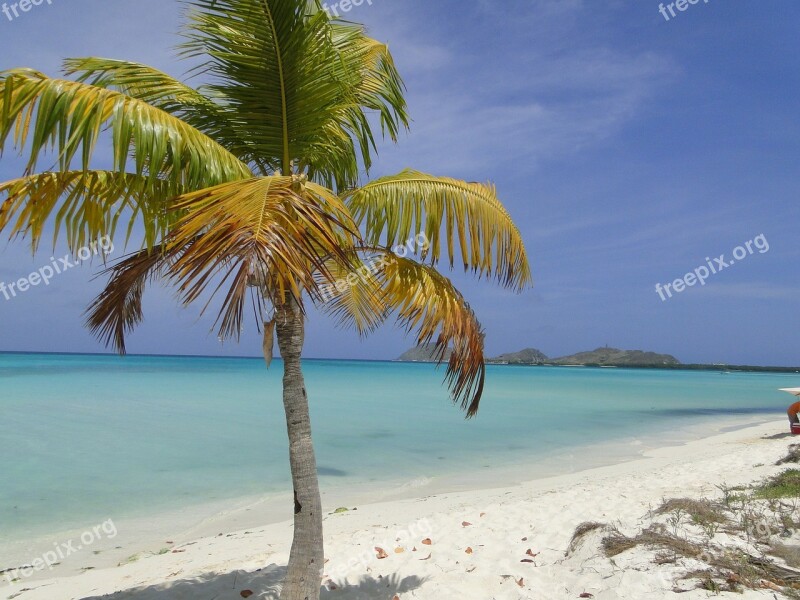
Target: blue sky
x,y
628,148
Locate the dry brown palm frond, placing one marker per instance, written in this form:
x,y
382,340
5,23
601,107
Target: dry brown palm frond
x,y
272,230
118,308
423,301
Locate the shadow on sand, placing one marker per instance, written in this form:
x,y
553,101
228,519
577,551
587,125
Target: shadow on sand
x,y
779,436
265,585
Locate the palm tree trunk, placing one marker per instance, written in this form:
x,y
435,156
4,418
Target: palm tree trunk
x,y
306,560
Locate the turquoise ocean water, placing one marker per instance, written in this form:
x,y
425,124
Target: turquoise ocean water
x,y
90,436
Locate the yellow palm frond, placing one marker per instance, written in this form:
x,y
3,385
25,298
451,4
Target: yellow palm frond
x,y
394,208
164,92
422,300
86,204
70,117
353,293
273,232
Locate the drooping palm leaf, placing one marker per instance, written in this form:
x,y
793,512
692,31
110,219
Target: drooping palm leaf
x,y
118,309
211,116
423,301
374,82
378,85
271,232
353,294
85,205
69,116
397,207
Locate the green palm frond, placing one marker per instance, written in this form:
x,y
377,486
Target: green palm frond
x,y
85,205
374,82
397,207
301,98
378,85
141,82
268,232
69,116
145,83
423,301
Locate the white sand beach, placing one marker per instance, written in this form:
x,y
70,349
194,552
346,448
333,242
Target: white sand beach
x,y
512,543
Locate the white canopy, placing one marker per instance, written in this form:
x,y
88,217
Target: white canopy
x,y
794,391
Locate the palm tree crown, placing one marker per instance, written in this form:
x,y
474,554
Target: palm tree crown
x,y
233,182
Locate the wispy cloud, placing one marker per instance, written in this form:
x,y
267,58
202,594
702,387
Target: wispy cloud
x,y
537,106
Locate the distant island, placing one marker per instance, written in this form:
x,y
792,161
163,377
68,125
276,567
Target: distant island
x,y
424,353
529,356
601,357
617,358
532,356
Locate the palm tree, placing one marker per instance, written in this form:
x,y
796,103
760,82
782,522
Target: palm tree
x,y
247,189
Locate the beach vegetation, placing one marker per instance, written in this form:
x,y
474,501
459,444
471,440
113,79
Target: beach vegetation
x,y
783,485
751,556
708,515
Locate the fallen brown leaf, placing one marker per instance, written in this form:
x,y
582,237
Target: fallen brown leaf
x,y
381,553
468,550
466,524
586,595
246,593
427,541
530,553
399,550
527,560
521,582
427,557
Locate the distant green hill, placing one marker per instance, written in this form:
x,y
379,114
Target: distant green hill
x,y
611,357
617,358
529,356
604,357
425,353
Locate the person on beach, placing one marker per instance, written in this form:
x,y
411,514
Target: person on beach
x,y
792,412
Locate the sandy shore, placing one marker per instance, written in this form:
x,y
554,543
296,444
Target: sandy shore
x,y
507,543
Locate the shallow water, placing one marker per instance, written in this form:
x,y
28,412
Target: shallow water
x,y
86,438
